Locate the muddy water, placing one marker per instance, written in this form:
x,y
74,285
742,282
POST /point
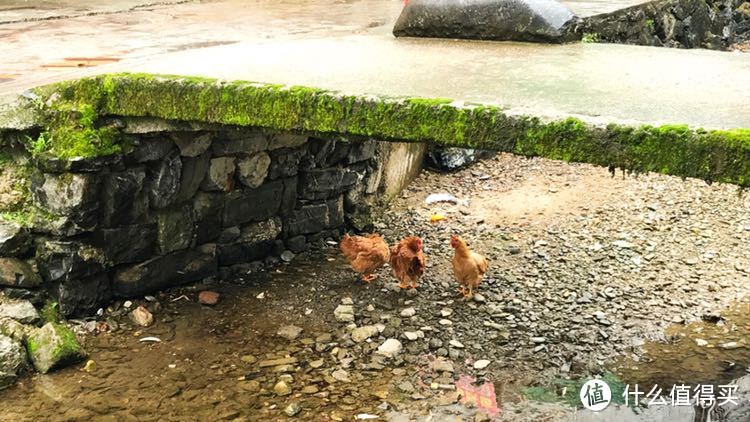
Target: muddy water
x,y
207,362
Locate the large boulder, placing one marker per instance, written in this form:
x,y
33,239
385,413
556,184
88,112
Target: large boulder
x,y
19,310
506,20
12,360
53,346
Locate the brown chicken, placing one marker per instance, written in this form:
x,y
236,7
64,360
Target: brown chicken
x,y
408,261
468,266
365,253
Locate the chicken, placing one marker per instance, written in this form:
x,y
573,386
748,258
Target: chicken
x,y
468,266
408,261
365,253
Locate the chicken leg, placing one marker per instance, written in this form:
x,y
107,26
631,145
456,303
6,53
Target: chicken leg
x,y
368,278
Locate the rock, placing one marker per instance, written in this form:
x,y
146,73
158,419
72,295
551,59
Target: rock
x,y
507,20
442,365
412,335
239,140
297,244
12,360
292,409
151,149
452,159
254,243
253,170
479,298
390,348
73,195
318,184
253,204
277,362
174,229
406,387
220,176
481,364
538,340
289,332
69,260
623,244
127,244
701,342
361,151
208,297
285,163
141,316
446,312
730,345
286,140
53,346
164,181
193,173
82,296
282,389
177,268
457,344
17,273
124,199
22,311
207,213
14,329
344,313
14,239
317,363
191,144
347,301
408,312
287,256
310,389
250,386
340,375
314,218
363,333
444,321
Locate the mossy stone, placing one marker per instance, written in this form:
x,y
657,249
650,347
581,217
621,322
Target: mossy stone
x,y
53,346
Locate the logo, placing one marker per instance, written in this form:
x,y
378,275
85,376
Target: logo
x,y
595,395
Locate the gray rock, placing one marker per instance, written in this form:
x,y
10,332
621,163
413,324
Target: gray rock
x,y
287,256
123,198
254,242
361,151
12,360
289,332
150,149
252,170
208,209
509,20
177,268
22,311
390,348
127,244
220,176
282,389
17,273
314,218
193,173
297,244
286,140
341,375
284,163
292,409
83,296
408,312
14,329
191,144
14,239
73,195
326,183
240,140
53,346
164,177
141,317
174,229
253,205
344,313
361,334
481,364
451,159
69,260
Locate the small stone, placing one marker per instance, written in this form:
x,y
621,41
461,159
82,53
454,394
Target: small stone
x,y
479,298
446,312
289,332
701,342
310,389
481,364
539,340
363,333
730,345
292,409
251,171
344,313
208,297
411,335
406,387
141,316
249,359
390,348
457,344
277,362
347,301
287,256
250,386
442,365
12,360
317,363
692,261
22,311
623,244
282,389
445,322
408,312
341,375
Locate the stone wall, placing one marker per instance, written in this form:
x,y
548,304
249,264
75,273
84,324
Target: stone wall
x,y
184,204
712,24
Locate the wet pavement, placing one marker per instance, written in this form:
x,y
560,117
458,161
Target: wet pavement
x,y
347,46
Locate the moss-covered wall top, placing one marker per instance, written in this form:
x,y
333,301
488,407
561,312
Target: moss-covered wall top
x,y
70,113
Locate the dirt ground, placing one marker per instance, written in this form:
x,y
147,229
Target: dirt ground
x,y
590,274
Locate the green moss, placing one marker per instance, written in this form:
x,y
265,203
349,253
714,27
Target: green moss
x,y
712,155
50,312
32,346
649,24
28,216
590,37
69,348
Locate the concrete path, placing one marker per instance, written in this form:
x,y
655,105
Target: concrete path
x,y
348,47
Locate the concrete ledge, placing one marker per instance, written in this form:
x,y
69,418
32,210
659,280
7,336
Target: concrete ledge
x,y
716,155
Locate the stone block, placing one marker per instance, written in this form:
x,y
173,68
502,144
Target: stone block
x,y
326,183
174,228
84,296
164,180
123,198
253,204
194,171
73,195
14,239
68,260
192,144
252,170
240,141
220,176
123,245
314,218
17,273
208,209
